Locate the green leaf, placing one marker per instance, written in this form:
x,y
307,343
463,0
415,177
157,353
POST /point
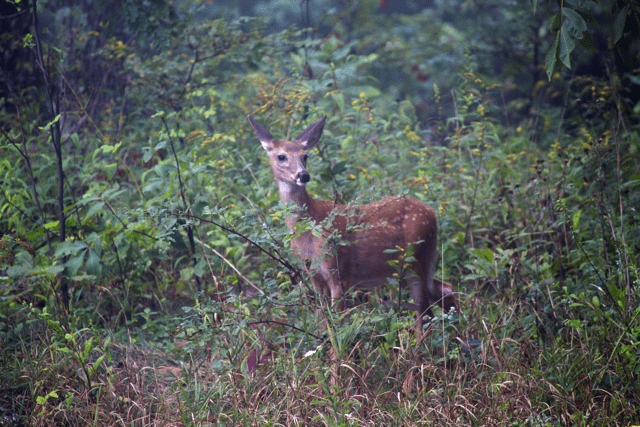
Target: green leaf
x,y
48,125
338,98
55,269
106,148
95,366
575,221
369,91
486,254
186,273
588,17
573,22
93,265
53,226
19,270
177,242
588,43
87,349
97,244
74,263
342,53
550,58
92,211
565,46
35,234
71,221
618,26
339,167
147,154
556,23
199,268
68,248
153,185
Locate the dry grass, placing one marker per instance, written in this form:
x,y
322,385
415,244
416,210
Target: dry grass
x,y
492,374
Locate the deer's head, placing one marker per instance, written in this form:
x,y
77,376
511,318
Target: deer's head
x,y
289,158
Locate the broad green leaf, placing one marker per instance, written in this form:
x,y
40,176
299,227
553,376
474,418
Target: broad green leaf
x,y
587,43
339,167
369,91
97,244
74,263
35,234
573,22
92,264
111,169
55,269
186,273
199,269
153,185
618,26
68,248
550,58
53,226
92,210
342,53
556,23
486,254
106,148
19,271
587,17
147,154
565,45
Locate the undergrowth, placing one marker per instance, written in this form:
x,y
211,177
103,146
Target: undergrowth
x,y
173,297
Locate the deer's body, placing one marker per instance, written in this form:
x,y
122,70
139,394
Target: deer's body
x,y
368,230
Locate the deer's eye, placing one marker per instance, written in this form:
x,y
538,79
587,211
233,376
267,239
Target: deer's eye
x,y
282,157
304,158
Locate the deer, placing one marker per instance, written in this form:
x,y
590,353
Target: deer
x,y
373,231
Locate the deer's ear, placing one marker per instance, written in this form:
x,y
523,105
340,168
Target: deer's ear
x,y
266,139
310,137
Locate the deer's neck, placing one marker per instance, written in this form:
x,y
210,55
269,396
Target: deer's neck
x,y
299,196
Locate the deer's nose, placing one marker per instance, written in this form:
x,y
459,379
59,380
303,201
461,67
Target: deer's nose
x,y
304,177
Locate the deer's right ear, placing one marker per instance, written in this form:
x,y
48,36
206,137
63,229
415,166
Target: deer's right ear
x,y
310,137
263,134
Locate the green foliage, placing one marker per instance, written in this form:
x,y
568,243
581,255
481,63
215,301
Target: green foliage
x,y
569,26
186,304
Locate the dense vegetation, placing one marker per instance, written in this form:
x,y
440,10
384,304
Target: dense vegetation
x,y
145,272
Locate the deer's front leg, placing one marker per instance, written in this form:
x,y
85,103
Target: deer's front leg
x,y
331,277
337,296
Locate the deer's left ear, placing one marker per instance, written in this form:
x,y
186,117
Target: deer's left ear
x,y
265,137
310,137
